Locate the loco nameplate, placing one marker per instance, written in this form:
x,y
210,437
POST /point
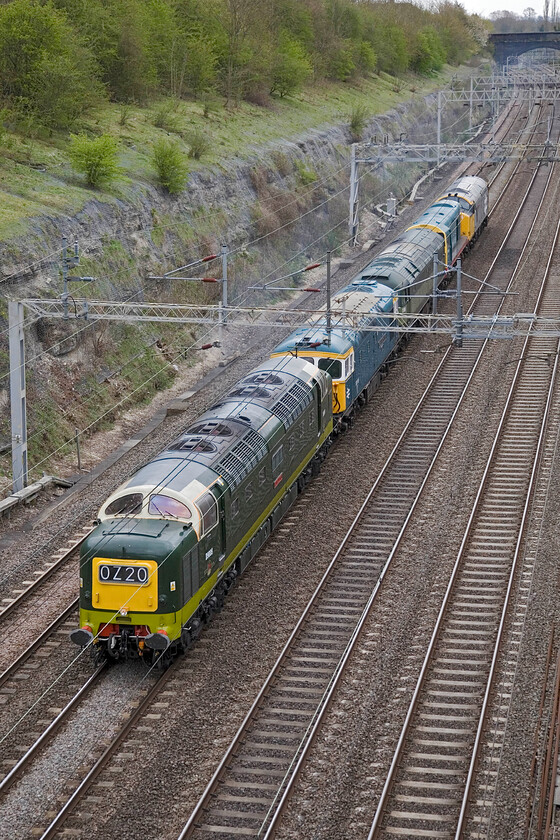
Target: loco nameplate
x,y
112,573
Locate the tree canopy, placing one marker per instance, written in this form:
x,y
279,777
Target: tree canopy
x,y
58,57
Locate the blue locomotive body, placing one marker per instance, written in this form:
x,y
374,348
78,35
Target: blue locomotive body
x,y
400,279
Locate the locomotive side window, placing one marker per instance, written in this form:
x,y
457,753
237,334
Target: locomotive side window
x,y
209,510
234,508
262,476
331,366
248,492
277,458
125,506
166,506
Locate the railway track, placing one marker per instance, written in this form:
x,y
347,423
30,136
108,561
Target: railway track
x,y
36,700
252,783
145,697
429,784
65,621
57,561
315,672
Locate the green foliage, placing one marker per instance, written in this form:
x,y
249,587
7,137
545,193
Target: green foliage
x,y
4,117
125,112
365,58
429,54
199,71
170,166
198,141
45,69
358,120
166,117
306,175
60,57
290,67
341,66
96,158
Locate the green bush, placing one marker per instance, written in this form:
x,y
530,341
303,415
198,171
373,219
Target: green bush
x,y
166,117
290,67
340,63
170,166
45,68
96,157
198,141
358,120
306,175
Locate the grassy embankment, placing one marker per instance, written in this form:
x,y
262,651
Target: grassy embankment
x,y
36,180
36,177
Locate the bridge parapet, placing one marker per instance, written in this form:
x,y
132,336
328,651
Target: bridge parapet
x,y
516,43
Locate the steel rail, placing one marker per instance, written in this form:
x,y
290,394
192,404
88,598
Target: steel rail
x,y
10,777
11,669
534,471
136,716
375,826
47,572
310,734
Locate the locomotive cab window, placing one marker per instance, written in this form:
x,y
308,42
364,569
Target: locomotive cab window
x,y
125,506
331,366
160,505
209,511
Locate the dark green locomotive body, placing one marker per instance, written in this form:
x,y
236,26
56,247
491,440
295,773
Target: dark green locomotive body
x,y
172,539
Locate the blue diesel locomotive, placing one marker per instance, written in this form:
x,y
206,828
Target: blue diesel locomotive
x,y
171,540
400,279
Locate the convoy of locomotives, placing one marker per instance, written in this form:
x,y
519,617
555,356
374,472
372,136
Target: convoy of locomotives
x,y
170,541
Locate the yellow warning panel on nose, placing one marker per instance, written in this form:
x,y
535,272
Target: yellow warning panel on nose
x,y
119,585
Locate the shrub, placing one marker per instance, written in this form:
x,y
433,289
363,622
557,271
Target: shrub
x,y
45,68
306,175
166,117
358,119
96,157
125,114
200,68
169,165
198,141
290,67
341,66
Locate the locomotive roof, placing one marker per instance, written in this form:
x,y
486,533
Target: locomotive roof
x,y
470,187
423,237
442,213
229,439
393,270
364,301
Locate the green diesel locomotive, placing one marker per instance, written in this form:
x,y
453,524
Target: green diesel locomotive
x,y
171,540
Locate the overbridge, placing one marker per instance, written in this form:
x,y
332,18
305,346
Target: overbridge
x,y
517,43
